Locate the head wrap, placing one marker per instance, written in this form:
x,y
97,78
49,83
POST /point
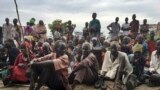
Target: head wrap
x,y
137,48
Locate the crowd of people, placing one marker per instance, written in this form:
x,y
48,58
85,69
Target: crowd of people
x,y
66,60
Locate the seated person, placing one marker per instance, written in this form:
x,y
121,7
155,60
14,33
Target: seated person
x,y
116,65
51,70
126,47
138,63
86,71
154,69
18,70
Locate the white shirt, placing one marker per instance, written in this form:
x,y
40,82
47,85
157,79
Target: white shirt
x,y
125,26
7,34
155,62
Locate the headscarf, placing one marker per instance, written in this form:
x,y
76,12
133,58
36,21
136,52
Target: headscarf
x,y
137,48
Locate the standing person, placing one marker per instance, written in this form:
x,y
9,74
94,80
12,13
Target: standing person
x,y
70,27
157,35
16,31
41,31
28,30
144,28
95,26
114,28
86,31
6,30
126,27
134,24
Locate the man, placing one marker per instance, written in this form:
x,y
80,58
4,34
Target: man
x,y
114,28
116,65
144,28
41,31
86,71
16,31
151,45
95,26
1,35
12,51
138,63
6,30
154,69
52,72
126,27
134,24
86,31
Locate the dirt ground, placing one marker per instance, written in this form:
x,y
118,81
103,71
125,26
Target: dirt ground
x,y
79,87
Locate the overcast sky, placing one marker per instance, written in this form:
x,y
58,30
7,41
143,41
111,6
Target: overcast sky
x,y
80,11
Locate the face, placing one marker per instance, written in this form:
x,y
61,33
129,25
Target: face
x,y
114,49
117,19
144,21
60,48
7,20
86,24
126,19
85,50
134,17
24,51
94,15
140,40
41,22
15,21
137,54
158,46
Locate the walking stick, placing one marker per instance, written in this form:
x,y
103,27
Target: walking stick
x,y
19,18
117,83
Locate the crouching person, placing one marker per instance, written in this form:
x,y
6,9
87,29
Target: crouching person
x,y
86,71
51,70
116,67
154,69
138,62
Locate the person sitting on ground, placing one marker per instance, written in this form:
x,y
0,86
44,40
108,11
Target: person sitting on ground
x,y
138,63
154,69
126,46
18,70
51,69
114,61
12,51
151,46
86,71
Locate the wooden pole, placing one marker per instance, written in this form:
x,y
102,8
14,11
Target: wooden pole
x,y
19,19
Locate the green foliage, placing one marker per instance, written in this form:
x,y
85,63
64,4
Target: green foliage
x,y
58,24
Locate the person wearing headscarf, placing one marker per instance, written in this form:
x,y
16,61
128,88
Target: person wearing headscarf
x,y
138,63
86,71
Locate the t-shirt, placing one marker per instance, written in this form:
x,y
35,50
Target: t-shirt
x,y
115,27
